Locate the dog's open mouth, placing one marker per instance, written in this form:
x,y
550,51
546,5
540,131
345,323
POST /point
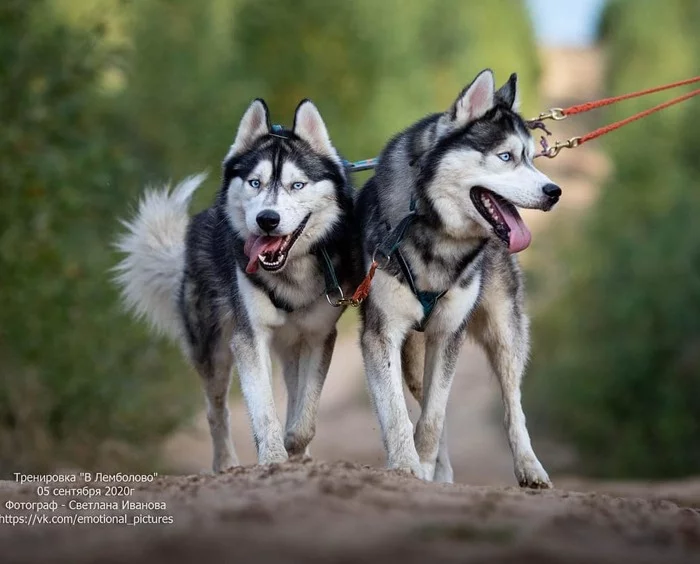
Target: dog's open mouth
x,y
270,251
503,217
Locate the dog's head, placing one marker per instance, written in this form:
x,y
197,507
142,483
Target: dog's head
x,y
282,187
480,167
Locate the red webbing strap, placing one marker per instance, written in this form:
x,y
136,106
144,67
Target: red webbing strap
x,y
616,125
580,108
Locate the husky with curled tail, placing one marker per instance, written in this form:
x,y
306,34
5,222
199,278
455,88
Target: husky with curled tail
x,y
251,275
440,217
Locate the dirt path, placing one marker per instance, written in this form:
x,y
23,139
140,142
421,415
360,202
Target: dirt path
x,y
342,512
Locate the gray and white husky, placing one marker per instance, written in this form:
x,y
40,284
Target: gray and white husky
x,y
251,274
440,217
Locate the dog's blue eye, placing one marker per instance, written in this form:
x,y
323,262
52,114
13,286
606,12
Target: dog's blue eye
x,y
505,157
254,182
298,185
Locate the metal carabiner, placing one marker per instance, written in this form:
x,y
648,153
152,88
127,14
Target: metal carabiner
x,y
553,150
557,114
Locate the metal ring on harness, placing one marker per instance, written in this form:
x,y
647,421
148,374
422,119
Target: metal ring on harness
x,y
341,299
387,257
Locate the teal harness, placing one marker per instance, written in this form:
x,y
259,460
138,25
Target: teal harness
x,y
334,293
390,247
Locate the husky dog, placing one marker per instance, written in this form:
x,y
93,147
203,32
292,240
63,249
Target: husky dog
x,y
251,274
440,218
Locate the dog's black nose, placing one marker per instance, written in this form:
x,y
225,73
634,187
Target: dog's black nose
x,y
551,191
268,220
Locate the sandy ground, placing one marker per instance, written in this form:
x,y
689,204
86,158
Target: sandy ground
x,y
344,512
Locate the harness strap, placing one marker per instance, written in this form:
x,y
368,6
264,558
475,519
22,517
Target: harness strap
x,y
428,300
328,270
392,241
334,293
332,286
388,248
278,304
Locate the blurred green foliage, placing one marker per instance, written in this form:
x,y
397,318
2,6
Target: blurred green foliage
x,y
371,67
79,383
99,98
616,368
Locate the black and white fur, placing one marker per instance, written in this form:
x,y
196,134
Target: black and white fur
x,y
450,246
188,276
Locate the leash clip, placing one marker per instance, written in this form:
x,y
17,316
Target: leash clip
x,y
557,114
341,301
553,150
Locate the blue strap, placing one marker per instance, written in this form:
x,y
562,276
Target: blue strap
x,y
357,166
428,300
390,247
352,166
329,275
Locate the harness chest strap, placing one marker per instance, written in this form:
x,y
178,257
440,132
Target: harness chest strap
x,y
428,300
331,279
332,286
388,248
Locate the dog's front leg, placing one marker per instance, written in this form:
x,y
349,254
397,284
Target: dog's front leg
x,y
382,359
314,361
440,357
252,354
383,331
216,379
251,344
502,328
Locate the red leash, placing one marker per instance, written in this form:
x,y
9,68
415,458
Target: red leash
x,y
558,114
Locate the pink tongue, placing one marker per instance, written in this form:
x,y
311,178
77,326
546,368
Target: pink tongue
x,y
257,245
520,235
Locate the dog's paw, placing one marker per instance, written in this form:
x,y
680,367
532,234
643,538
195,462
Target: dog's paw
x,y
531,474
219,467
428,471
297,443
411,468
443,473
272,456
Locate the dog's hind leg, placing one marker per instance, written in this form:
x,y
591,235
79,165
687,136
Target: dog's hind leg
x,y
440,358
216,380
412,363
501,326
443,466
289,354
314,361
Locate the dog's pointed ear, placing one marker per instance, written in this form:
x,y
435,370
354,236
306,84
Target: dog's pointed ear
x,y
508,94
309,126
254,124
475,100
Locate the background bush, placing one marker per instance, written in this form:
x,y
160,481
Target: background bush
x,y
78,382
616,369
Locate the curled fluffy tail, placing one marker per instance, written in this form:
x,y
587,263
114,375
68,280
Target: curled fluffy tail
x,y
154,244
